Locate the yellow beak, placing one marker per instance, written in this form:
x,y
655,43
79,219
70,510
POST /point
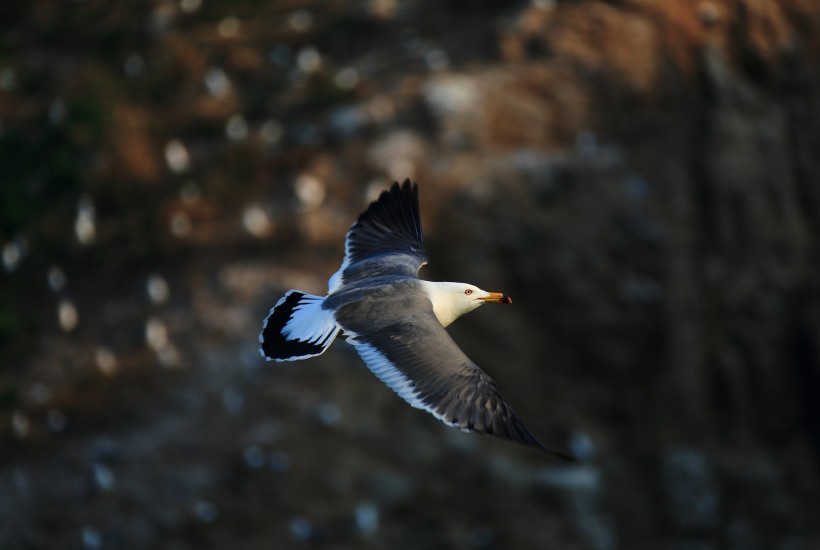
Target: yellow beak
x,y
498,298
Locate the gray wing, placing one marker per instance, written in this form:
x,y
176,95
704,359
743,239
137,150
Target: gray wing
x,y
385,240
418,360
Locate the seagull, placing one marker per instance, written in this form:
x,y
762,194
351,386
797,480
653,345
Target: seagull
x,y
396,322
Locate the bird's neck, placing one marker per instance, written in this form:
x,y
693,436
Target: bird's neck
x,y
445,307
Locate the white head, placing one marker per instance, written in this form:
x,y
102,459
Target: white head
x,y
452,300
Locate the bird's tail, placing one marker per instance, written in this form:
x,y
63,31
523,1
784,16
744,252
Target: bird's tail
x,y
297,327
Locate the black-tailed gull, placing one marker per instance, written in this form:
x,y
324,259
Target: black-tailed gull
x,y
396,321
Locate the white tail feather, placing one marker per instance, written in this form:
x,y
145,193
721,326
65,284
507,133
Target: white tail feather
x,y
297,327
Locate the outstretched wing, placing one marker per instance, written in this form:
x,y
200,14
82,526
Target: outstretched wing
x,y
385,240
417,359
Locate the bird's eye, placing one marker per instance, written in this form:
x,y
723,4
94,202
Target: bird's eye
x,y
468,291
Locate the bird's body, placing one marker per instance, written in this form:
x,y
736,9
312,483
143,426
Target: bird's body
x,y
396,321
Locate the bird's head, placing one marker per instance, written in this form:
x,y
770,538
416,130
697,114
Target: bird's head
x,y
470,297
452,300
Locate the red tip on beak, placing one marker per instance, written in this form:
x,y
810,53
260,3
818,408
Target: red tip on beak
x,y
498,298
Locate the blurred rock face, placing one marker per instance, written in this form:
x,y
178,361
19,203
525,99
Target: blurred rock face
x,y
641,177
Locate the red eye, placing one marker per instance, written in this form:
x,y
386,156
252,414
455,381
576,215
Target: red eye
x,y
468,291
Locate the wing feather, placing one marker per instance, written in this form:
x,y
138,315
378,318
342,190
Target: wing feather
x,y
418,359
389,234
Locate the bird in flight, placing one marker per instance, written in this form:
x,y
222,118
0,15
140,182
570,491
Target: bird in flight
x,y
396,321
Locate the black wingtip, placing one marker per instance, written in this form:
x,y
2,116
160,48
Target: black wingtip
x,y
391,222
408,186
405,191
558,454
396,198
527,438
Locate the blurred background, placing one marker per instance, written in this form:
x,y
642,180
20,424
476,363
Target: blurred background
x,y
641,177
